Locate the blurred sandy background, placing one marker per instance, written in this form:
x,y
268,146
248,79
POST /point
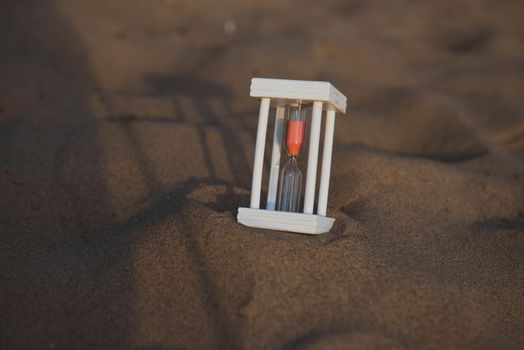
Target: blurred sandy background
x,y
126,146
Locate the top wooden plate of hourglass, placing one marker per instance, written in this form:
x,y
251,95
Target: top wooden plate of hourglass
x,y
304,90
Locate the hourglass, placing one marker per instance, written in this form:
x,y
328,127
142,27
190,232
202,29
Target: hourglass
x,y
291,100
291,177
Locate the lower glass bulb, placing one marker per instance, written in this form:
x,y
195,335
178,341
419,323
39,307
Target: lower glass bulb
x,y
290,187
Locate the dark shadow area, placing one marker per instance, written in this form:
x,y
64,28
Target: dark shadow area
x,y
351,335
457,157
73,286
200,92
501,223
57,289
472,40
358,210
173,204
441,157
228,203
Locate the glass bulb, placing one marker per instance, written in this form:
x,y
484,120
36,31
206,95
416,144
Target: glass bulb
x,y
290,187
295,129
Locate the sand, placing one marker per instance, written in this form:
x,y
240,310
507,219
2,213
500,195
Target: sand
x,y
126,147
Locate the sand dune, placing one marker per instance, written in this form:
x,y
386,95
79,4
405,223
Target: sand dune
x,y
126,147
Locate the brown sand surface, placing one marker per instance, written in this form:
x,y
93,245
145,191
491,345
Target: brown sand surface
x,y
126,146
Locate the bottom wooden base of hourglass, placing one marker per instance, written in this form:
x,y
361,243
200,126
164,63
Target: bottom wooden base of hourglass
x,y
285,221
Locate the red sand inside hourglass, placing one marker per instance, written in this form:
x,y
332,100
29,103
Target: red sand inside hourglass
x,y
295,136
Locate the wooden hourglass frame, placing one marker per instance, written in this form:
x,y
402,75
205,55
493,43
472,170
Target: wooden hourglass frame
x,y
283,93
